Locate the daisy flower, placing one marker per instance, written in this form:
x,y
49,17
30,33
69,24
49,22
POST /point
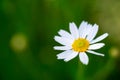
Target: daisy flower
x,y
80,41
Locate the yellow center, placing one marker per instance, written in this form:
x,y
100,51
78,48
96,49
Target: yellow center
x,y
80,45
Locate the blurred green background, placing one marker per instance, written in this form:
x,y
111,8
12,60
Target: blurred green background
x,y
27,29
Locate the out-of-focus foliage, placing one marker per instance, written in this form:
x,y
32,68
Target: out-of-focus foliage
x,y
27,28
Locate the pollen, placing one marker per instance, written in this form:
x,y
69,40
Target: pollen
x,y
80,45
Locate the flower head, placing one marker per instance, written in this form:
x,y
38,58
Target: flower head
x,y
79,41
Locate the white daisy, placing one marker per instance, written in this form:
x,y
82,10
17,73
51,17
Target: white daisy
x,y
79,41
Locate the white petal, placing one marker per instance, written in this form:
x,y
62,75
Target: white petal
x,y
71,56
93,32
64,54
96,46
87,31
93,52
64,33
62,47
83,58
82,29
63,41
99,38
74,30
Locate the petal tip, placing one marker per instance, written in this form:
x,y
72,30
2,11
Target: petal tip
x,y
54,48
103,55
107,34
85,63
55,37
66,60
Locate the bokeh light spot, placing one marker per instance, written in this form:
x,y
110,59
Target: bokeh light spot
x,y
18,42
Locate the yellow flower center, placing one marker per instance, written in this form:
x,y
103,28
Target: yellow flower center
x,y
80,45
